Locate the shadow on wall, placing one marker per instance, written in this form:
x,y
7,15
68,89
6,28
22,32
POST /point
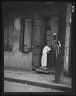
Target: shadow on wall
x,y
18,60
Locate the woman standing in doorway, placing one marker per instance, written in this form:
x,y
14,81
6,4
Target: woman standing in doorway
x,y
45,51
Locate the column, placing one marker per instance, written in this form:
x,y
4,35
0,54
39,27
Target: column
x,y
59,72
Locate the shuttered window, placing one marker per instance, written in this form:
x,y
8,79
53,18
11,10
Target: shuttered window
x,y
8,36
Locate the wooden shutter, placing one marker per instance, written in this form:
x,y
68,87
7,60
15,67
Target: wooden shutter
x,y
10,38
27,35
6,36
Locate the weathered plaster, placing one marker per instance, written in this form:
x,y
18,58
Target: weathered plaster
x,y
16,43
67,38
18,60
24,60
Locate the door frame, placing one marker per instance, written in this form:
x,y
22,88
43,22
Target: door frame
x,y
33,42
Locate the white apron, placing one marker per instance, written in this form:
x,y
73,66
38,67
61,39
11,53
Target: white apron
x,y
44,56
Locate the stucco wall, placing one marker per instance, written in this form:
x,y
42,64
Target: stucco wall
x,y
18,60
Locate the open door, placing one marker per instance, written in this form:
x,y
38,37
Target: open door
x,y
51,29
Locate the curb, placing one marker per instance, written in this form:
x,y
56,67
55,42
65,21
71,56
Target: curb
x,y
61,88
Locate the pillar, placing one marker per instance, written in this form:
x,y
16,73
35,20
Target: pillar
x,y
67,39
59,72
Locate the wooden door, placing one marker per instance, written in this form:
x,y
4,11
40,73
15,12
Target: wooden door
x,y
36,46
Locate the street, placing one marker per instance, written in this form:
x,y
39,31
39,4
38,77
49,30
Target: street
x,y
18,87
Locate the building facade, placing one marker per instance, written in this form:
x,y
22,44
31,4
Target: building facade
x,y
27,27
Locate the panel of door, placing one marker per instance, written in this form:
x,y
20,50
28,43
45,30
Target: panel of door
x,y
36,46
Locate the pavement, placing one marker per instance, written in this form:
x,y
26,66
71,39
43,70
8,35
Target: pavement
x,y
39,80
19,87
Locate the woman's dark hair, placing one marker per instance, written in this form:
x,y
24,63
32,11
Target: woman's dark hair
x,y
44,44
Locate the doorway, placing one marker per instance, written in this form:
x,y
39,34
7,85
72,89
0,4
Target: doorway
x,y
40,36
51,28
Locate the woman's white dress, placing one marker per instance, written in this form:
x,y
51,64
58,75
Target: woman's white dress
x,y
44,56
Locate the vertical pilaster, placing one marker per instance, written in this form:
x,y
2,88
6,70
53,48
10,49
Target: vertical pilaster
x,y
67,38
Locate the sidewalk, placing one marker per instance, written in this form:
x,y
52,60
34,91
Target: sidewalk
x,y
33,78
